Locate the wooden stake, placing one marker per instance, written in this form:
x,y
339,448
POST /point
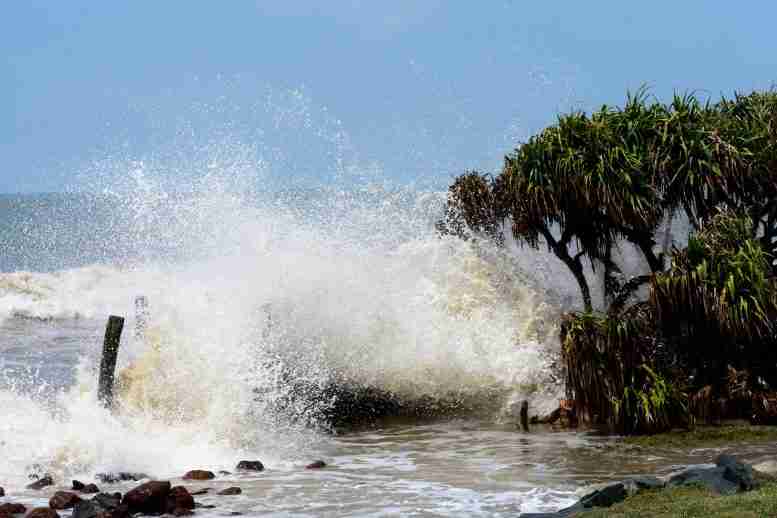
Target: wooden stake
x,y
525,415
108,364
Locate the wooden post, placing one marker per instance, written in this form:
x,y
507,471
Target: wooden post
x,y
108,364
141,317
525,415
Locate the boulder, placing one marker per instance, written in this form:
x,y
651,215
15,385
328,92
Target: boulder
x,y
148,498
737,472
44,481
63,500
90,489
12,509
604,497
122,476
319,464
250,465
638,484
2,492
199,474
179,500
711,478
42,512
78,486
768,466
103,505
230,491
202,491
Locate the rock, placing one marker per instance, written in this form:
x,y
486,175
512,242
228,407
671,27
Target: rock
x,y
112,478
225,473
605,497
638,484
769,467
64,500
250,465
2,492
78,486
230,491
203,491
42,512
711,478
12,509
44,481
103,505
199,474
90,489
179,500
319,464
737,472
148,498
182,512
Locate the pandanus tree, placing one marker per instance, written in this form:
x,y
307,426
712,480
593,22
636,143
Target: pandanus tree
x,y
587,183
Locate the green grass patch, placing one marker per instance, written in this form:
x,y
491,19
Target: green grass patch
x,y
694,502
706,437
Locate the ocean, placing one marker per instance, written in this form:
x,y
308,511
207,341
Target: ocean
x,y
252,296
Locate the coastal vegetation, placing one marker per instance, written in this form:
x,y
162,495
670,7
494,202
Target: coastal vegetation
x,y
694,336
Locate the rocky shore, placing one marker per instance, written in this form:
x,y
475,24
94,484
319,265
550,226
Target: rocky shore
x,y
727,476
150,498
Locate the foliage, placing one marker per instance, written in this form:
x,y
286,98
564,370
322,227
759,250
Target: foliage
x,y
588,182
693,502
719,302
612,367
705,437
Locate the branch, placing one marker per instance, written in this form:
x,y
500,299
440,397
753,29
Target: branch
x,y
626,291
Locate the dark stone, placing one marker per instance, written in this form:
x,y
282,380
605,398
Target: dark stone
x,y
199,474
204,506
42,512
103,505
225,473
64,500
638,484
203,491
179,499
107,500
12,509
230,491
44,481
319,464
2,492
711,478
112,478
605,497
78,486
250,465
90,489
737,472
182,512
148,498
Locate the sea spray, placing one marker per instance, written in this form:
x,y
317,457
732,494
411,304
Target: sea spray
x,y
365,293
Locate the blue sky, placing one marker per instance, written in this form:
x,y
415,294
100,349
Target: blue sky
x,y
419,91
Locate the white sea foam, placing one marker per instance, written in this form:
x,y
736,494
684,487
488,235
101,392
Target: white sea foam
x,y
357,290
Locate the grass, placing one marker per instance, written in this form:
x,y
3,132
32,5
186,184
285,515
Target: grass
x,y
706,437
694,502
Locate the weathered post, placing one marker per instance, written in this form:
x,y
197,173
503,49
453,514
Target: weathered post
x,y
108,364
525,415
141,317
